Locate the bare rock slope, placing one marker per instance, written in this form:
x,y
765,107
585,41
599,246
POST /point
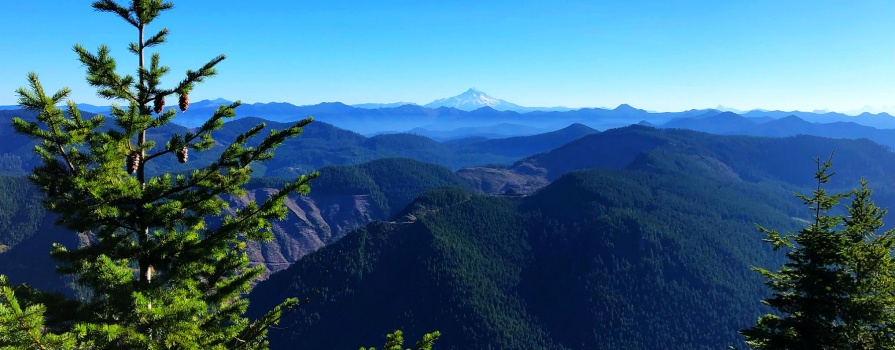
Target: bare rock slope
x,y
312,222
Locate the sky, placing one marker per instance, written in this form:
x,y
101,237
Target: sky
x,y
657,55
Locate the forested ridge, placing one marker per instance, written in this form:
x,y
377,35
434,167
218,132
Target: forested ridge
x,y
391,184
644,239
321,144
268,226
599,259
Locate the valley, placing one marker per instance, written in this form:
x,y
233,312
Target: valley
x,y
640,221
276,175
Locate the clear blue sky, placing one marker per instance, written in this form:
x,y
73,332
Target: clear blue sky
x,y
658,55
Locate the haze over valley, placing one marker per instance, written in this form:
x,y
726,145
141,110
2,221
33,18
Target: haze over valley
x,y
511,167
557,175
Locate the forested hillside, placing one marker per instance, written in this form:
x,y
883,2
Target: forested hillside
x,y
655,253
599,259
749,158
21,211
636,238
341,199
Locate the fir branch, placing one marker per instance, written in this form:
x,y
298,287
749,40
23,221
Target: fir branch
x,y
111,6
7,294
270,320
157,39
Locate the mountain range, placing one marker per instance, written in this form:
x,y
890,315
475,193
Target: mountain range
x,y
638,237
644,238
475,109
735,124
321,144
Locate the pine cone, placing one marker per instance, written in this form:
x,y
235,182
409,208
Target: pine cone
x,y
159,104
133,162
184,102
182,155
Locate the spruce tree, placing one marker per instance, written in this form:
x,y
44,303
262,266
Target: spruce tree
x,y
837,290
158,276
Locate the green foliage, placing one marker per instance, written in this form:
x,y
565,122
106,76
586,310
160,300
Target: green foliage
x,y
21,212
392,182
395,341
837,289
599,259
24,328
435,199
157,276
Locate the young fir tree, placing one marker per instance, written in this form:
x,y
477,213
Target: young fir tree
x,y
395,341
158,276
838,289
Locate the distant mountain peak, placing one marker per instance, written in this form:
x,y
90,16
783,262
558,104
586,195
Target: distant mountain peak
x,y
471,100
792,118
625,107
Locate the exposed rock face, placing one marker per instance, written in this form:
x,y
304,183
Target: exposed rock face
x,y
312,222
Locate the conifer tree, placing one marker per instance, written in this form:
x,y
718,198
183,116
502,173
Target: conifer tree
x,y
837,290
158,275
395,341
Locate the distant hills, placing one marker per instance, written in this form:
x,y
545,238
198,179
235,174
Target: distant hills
x,y
729,157
639,237
476,109
735,124
644,239
320,144
323,144
489,132
382,105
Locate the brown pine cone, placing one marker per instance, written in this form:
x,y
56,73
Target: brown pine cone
x,y
182,155
159,104
184,102
133,162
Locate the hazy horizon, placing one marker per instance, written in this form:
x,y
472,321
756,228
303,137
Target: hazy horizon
x,y
653,55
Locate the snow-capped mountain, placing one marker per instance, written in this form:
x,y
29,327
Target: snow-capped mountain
x,y
474,99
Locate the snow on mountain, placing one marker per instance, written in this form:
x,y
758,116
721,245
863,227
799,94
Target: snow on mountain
x,y
474,99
